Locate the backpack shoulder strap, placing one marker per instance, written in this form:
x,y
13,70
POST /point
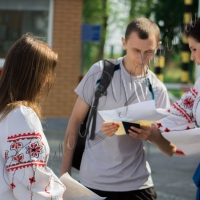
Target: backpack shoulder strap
x,y
108,71
106,77
150,87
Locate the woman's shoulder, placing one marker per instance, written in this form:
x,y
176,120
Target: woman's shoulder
x,y
22,115
22,111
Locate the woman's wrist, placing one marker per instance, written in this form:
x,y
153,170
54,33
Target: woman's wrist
x,y
155,134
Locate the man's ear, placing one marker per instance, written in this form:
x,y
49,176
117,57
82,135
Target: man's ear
x,y
159,43
123,43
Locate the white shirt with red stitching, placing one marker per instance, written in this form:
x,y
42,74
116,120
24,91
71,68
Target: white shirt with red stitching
x,y
23,161
184,112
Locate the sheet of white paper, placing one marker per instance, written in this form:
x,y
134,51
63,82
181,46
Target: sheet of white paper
x,y
76,191
144,113
188,141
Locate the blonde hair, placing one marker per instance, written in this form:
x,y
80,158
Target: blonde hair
x,y
27,74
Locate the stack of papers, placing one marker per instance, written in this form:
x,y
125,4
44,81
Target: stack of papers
x,y
143,113
76,191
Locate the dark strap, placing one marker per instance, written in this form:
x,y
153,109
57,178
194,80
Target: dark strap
x,y
107,74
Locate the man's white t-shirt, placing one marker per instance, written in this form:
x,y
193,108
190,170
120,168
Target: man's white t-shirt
x,y
117,163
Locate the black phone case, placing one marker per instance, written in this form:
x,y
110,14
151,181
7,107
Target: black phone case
x,y
127,126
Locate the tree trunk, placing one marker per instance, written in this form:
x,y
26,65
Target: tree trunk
x,y
100,55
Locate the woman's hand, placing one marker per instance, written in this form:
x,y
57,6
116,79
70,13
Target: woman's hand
x,y
109,128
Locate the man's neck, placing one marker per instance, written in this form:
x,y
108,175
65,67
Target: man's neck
x,y
132,69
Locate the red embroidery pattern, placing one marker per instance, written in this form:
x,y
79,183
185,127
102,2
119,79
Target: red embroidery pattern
x,y
60,185
24,136
166,130
194,92
47,187
16,145
188,102
159,125
19,157
6,154
22,165
32,180
182,111
12,185
34,149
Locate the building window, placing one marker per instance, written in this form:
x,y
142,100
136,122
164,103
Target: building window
x,y
22,16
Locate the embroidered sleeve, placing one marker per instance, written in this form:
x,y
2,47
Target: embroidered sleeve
x,y
181,113
26,170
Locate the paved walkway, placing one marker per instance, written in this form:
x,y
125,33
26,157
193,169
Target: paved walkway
x,y
172,176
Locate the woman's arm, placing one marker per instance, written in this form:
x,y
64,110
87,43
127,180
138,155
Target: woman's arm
x,y
27,153
153,134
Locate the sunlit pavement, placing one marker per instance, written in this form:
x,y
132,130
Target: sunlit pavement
x,y
172,176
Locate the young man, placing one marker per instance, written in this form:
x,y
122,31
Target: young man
x,y
115,167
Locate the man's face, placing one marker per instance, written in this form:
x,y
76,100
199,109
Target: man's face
x,y
140,52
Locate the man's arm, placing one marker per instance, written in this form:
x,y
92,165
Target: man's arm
x,y
78,115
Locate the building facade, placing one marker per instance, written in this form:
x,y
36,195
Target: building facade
x,y
59,23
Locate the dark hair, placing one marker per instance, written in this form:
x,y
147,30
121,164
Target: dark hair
x,y
27,74
143,27
193,29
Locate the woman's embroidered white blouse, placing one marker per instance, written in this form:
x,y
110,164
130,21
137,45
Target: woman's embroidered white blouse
x,y
23,160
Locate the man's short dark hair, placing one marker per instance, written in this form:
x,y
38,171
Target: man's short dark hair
x,y
143,27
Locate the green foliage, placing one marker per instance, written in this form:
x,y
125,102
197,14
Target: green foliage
x,y
140,9
116,14
92,12
169,17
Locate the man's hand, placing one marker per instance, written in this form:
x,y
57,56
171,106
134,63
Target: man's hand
x,y
151,133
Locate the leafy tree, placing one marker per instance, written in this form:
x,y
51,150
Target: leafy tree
x,y
96,12
169,17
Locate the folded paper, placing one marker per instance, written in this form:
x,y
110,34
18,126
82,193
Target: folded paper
x,y
143,113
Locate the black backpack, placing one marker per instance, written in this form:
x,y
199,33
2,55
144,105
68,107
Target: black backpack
x,y
108,71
